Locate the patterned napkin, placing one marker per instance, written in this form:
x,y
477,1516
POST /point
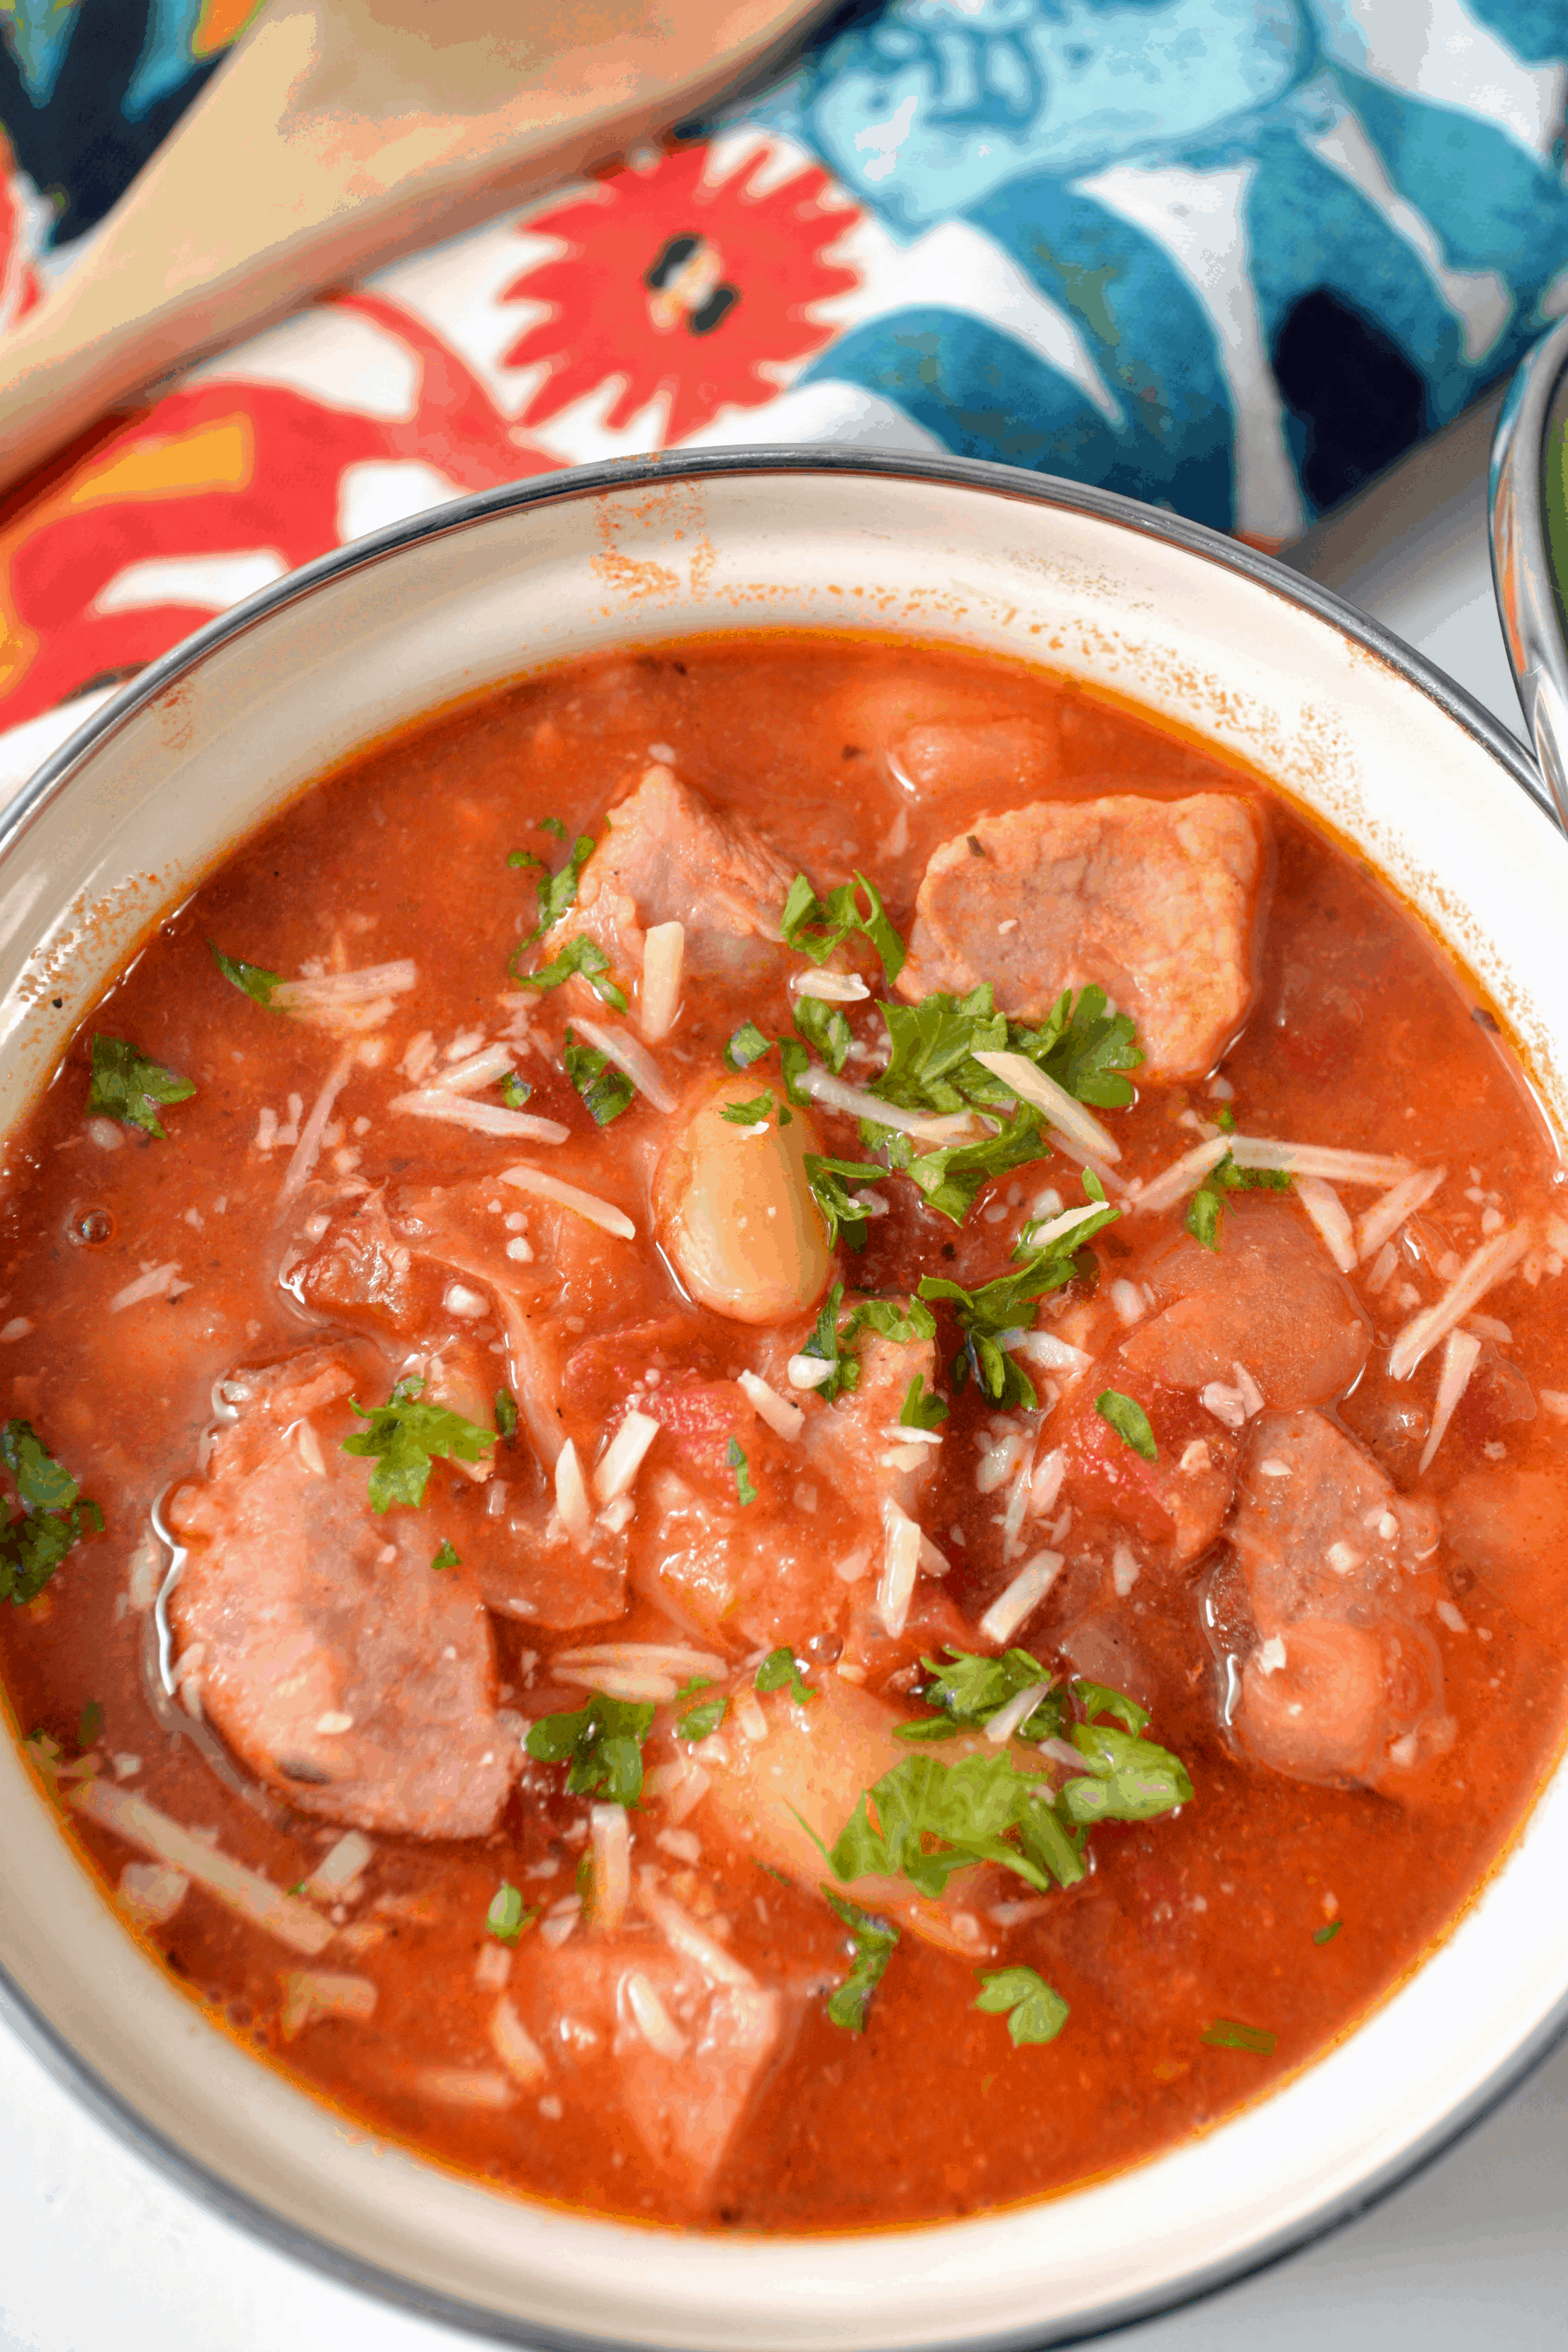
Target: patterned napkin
x,y
1228,255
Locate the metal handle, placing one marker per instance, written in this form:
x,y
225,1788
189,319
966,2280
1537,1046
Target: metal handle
x,y
1523,578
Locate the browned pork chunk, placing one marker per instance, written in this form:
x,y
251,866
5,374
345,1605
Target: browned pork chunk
x,y
1345,1684
1266,1320
342,1668
1154,900
668,857
1269,1298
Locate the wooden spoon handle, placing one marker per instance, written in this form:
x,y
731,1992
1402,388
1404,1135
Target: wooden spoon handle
x,y
340,133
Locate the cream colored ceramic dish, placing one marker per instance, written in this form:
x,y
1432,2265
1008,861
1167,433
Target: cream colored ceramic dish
x,y
157,787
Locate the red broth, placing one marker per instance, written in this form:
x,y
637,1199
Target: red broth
x,y
1351,1637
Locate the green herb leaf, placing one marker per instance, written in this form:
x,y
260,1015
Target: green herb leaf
x,y
815,927
1225,2033
508,1915
748,1114
522,858
552,825
506,1413
514,1091
447,1557
747,1046
1204,1210
1129,1778
952,1175
826,1027
1326,1934
1225,1118
601,1743
1098,1698
128,1086
1084,1048
875,1943
405,1437
1129,1420
698,1722
987,1316
734,1456
924,1820
919,1410
834,1343
581,958
605,1091
932,1045
1035,2011
50,1521
253,978
780,1668
830,1180
558,891
969,1689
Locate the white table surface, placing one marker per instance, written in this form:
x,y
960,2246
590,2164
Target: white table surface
x,y
100,2253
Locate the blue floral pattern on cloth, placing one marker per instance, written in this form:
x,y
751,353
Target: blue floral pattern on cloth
x,y
1228,255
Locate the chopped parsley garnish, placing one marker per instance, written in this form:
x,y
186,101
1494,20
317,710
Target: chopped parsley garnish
x,y
508,1915
748,1114
516,857
601,1745
1129,1780
53,1517
89,1730
605,1091
447,1557
699,1721
1129,1420
514,1091
558,891
1225,2033
1035,2011
1225,1119
969,1689
552,825
1098,1698
780,1669
127,1085
924,1820
932,1045
825,1026
987,1316
405,1437
581,958
816,927
830,1180
506,1413
931,1064
747,1046
1326,1934
1204,1210
875,1943
254,979
834,1344
1206,1207
735,1455
1084,1048
919,1410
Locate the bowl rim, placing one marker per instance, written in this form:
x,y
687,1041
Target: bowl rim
x,y
48,2043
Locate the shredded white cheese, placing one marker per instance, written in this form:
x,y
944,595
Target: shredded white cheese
x,y
659,1003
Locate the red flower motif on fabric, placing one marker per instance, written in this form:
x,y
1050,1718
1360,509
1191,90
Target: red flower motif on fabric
x,y
680,286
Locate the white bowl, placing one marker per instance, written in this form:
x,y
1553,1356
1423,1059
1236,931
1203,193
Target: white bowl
x,y
132,813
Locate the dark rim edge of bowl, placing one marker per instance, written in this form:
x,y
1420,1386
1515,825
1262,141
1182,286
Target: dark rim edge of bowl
x,y
37,2031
